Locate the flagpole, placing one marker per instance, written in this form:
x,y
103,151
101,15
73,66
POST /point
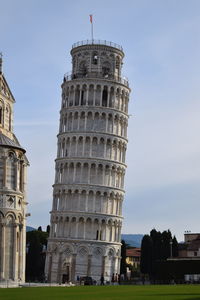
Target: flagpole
x,y
91,21
92,32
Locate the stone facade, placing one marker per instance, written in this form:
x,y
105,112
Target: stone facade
x,y
86,216
13,163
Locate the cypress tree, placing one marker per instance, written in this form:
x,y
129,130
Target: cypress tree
x,y
146,255
123,258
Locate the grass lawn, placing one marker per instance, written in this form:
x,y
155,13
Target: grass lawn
x,y
152,292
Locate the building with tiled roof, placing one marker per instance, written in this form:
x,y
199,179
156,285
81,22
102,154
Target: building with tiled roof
x,y
133,257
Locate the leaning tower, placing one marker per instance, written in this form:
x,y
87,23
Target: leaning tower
x,y
86,216
13,164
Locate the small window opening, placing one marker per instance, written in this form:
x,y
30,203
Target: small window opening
x,y
84,71
10,127
104,98
95,59
97,235
117,63
82,97
105,71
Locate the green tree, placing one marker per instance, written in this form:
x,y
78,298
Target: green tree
x,y
156,248
123,258
48,229
35,257
146,255
174,247
166,240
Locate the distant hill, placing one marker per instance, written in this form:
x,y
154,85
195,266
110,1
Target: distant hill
x,y
29,228
133,240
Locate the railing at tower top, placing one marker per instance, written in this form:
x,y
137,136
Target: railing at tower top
x,y
97,42
70,76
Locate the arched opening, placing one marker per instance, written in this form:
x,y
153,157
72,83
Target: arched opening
x,y
95,58
106,69
105,97
11,171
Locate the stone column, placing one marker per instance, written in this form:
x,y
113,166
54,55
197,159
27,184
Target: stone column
x,y
87,94
63,227
103,264
15,264
80,93
86,201
101,202
79,115
108,98
73,270
89,265
2,249
49,255
114,97
76,146
76,228
119,233
72,123
114,265
94,96
109,176
96,173
74,174
74,96
101,94
20,252
81,176
111,228
84,142
104,149
84,229
125,134
119,261
107,202
59,279
79,199
103,175
90,150
85,122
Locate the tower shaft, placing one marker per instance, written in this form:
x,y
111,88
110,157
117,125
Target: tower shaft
x,y
88,192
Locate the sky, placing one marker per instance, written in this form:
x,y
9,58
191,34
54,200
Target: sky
x,y
161,41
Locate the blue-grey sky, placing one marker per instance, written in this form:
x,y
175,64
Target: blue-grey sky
x,y
161,41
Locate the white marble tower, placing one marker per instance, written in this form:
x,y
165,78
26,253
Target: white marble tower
x,y
13,163
86,216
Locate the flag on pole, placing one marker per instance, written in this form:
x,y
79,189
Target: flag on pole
x,y
90,18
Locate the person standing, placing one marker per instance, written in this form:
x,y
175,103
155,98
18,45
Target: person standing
x,y
102,279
